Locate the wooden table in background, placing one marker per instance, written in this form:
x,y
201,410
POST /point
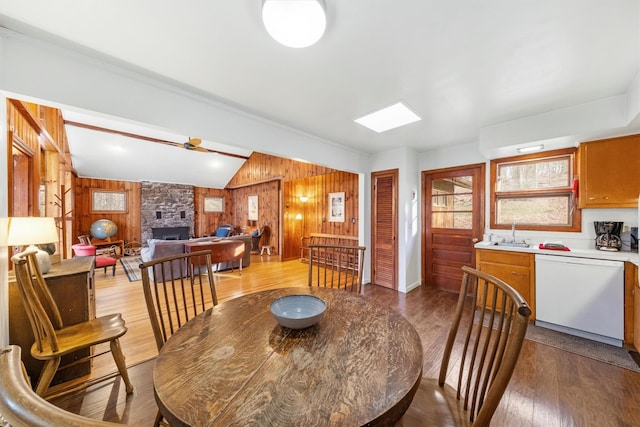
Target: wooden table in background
x,y
233,365
221,251
99,244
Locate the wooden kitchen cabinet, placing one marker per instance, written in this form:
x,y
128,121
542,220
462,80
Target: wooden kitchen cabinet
x,y
515,268
71,283
609,173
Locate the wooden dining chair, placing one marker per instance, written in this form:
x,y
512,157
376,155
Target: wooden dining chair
x,y
483,346
336,266
21,406
174,298
53,339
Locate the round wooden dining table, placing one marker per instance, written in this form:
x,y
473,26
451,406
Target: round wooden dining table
x,y
234,365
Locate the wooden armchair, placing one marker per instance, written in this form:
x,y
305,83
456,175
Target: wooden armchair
x,y
336,266
52,338
483,345
20,406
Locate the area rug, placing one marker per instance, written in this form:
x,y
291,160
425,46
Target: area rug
x,y
595,350
130,265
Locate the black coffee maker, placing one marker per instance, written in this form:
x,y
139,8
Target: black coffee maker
x,y
608,235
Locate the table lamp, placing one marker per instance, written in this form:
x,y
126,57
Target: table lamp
x,y
23,231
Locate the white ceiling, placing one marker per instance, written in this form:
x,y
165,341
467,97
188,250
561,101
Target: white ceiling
x,y
461,65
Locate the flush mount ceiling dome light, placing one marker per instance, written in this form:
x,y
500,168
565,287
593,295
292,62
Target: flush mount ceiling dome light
x,y
294,23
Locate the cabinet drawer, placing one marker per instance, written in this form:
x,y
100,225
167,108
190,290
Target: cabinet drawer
x,y
505,257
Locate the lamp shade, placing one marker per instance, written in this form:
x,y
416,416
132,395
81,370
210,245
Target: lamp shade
x,y
294,23
31,230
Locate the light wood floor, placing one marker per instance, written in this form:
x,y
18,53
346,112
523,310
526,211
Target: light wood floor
x,y
550,387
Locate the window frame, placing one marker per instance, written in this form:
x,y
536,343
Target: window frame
x,y
576,215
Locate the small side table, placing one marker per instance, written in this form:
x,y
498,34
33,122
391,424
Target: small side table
x,y
104,243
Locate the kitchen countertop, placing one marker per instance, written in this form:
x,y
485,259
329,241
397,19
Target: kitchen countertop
x,y
632,257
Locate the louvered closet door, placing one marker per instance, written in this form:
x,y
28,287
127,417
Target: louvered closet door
x,y
384,228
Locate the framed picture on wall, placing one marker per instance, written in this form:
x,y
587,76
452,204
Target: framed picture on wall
x,y
252,212
336,207
108,201
214,204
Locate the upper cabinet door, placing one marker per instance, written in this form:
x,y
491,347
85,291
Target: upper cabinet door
x,y
610,173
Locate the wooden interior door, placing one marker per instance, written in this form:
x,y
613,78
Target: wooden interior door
x,y
22,178
453,221
384,228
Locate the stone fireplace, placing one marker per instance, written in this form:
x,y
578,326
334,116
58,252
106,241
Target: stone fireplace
x,y
171,233
168,208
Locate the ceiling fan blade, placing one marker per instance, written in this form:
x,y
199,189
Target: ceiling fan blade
x,y
195,141
204,150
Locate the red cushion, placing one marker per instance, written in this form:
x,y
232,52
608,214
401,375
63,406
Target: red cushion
x,y
103,261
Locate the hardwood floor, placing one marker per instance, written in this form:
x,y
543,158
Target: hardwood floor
x,y
550,387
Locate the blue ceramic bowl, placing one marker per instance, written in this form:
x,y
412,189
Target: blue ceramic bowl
x,y
298,311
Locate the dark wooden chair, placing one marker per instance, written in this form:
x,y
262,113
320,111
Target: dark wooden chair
x,y
336,266
486,336
21,406
173,299
255,239
52,338
265,240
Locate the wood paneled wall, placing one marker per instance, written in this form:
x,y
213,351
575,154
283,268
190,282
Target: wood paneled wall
x,y
263,167
206,223
268,211
36,137
315,211
298,179
128,222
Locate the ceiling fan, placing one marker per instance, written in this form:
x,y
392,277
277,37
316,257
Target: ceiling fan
x,y
192,144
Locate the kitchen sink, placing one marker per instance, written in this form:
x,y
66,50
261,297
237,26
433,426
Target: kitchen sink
x,y
513,244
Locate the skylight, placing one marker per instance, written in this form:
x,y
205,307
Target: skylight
x,y
388,118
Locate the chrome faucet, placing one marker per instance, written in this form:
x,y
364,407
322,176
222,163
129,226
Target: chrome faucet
x,y
513,231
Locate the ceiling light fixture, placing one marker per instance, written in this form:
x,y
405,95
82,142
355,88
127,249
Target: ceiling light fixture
x,y
294,23
531,148
388,118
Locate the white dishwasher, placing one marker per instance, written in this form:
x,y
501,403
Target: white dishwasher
x,y
581,296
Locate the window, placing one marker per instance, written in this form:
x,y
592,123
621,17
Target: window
x,y
535,192
452,202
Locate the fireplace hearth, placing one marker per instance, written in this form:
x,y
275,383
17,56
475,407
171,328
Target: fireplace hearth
x,y
171,233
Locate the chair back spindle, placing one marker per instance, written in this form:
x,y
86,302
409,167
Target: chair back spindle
x,y
336,266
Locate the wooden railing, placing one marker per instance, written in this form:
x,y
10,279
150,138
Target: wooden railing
x,y
324,239
336,266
